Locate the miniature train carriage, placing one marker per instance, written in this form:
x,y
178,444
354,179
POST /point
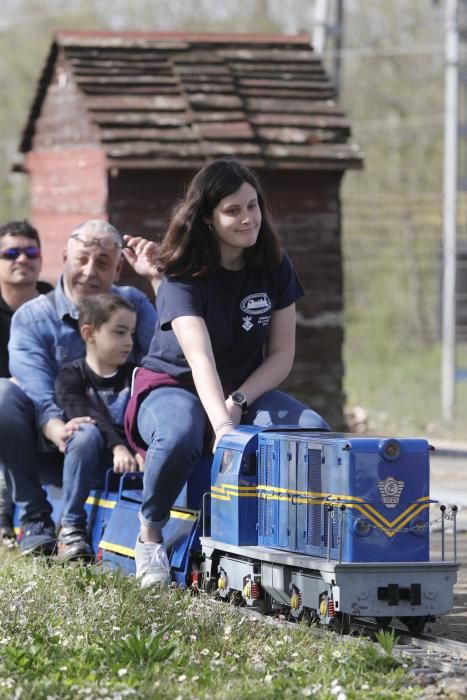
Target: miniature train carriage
x,y
331,525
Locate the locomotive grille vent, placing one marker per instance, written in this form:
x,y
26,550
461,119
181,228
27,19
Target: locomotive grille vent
x,y
326,523
314,513
265,475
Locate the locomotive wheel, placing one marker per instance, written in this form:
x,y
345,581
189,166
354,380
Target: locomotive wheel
x,y
383,622
415,625
342,623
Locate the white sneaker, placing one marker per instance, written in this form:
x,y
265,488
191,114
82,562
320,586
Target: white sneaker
x,y
152,565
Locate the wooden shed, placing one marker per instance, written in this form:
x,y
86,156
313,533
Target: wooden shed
x,y
120,122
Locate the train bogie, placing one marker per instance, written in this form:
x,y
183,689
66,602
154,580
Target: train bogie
x,y
328,589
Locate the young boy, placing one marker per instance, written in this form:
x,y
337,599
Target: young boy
x,y
97,386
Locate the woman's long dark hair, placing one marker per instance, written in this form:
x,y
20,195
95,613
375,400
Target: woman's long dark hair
x,y
190,247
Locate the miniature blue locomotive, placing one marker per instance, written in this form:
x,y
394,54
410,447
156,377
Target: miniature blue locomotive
x,y
331,525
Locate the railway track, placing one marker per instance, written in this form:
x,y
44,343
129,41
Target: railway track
x,y
436,661
437,664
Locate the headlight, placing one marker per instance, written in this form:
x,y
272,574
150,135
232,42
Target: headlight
x,y
362,527
390,449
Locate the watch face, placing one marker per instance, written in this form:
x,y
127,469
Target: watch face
x,y
238,398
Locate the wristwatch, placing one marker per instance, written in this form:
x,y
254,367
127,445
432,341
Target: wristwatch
x,y
239,399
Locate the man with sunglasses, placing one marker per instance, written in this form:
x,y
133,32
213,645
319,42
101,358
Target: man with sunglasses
x,y
34,434
20,265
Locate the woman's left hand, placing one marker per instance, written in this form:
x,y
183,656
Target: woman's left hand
x,y
235,412
220,433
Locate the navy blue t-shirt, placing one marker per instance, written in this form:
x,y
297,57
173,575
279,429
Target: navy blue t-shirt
x,y
236,306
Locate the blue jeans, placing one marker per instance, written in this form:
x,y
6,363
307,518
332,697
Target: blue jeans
x,y
172,422
6,503
84,466
27,461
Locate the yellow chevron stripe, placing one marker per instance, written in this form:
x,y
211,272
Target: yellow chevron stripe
x,y
314,494
390,523
224,492
234,487
424,506
312,498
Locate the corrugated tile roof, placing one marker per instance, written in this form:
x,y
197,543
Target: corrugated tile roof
x,y
176,100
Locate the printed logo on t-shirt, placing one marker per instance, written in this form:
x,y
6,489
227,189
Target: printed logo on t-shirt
x,y
258,303
247,324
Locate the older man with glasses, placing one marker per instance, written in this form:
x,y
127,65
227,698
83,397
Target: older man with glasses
x,y
34,433
20,265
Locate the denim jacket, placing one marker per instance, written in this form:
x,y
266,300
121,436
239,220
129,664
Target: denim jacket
x,y
44,336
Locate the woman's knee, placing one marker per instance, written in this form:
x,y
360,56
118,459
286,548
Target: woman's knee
x,y
170,421
278,408
311,419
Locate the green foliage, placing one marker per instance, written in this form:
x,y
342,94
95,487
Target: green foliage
x,y
387,640
74,632
141,649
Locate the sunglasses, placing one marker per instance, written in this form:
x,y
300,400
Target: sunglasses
x,y
32,252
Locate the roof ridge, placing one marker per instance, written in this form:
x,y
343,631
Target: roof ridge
x,y
217,37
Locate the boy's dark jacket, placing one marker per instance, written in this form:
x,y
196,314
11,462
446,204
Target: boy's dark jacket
x,y
81,392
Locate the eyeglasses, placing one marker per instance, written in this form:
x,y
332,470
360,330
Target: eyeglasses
x,y
32,252
102,243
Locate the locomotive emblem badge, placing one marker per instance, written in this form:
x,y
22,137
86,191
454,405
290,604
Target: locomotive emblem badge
x,y
390,490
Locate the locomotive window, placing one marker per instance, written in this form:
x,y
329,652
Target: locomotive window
x,y
228,457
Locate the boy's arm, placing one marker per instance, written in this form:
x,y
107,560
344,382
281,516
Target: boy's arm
x,y
71,395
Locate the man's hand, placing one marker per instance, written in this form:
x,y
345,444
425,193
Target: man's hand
x,y
59,432
141,254
124,461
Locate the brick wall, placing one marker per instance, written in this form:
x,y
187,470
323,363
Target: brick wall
x,y
68,186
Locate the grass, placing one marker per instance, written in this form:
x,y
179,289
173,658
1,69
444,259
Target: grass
x,y
73,632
